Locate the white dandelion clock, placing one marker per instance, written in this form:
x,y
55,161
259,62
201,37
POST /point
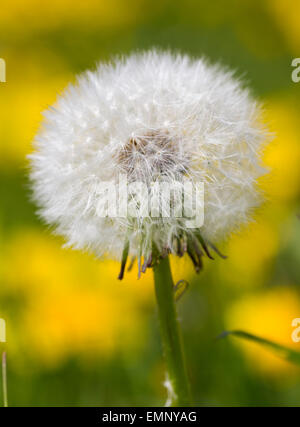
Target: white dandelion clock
x,y
120,154
151,117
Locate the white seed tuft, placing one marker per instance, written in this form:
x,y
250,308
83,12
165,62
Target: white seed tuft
x,y
151,116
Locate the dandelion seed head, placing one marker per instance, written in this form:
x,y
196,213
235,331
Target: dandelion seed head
x,y
152,116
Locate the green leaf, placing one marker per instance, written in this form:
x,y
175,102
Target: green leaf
x,y
281,351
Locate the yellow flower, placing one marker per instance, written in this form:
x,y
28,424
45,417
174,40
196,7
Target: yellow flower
x,y
72,303
249,254
283,155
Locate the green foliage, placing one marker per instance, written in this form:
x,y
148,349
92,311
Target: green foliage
x,y
280,350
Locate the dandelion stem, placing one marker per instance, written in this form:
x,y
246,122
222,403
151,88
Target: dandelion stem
x,y
4,380
170,333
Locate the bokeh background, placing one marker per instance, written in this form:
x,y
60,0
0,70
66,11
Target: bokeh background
x,y
76,335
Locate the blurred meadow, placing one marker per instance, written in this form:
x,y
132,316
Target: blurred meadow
x,y
75,334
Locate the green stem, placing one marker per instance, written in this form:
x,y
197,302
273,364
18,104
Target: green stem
x,y
4,380
171,338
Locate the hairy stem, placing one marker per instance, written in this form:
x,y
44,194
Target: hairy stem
x,y
170,333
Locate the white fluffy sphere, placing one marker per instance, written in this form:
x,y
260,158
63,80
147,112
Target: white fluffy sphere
x,y
152,115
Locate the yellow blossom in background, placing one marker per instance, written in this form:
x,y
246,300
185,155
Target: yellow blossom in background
x,y
267,314
283,155
85,322
72,302
249,254
29,90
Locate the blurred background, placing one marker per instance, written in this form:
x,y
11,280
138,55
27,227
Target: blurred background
x,y
76,335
